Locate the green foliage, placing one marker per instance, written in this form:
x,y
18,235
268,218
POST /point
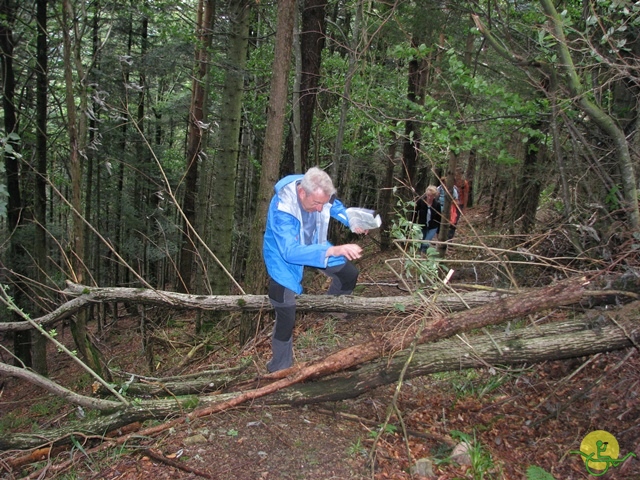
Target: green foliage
x,y
401,307
8,143
49,407
7,147
78,446
547,199
402,227
419,270
610,22
481,462
409,52
356,449
470,383
12,421
611,200
537,473
317,338
190,402
385,428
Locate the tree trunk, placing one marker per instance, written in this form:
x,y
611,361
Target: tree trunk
x,y
386,196
16,258
606,290
256,279
529,185
415,93
324,303
471,176
338,172
195,144
223,185
40,253
312,42
77,131
292,156
120,227
145,190
592,333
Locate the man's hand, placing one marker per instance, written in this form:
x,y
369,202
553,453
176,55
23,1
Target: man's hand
x,y
360,231
349,250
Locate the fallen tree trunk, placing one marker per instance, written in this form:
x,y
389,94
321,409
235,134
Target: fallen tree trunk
x,y
590,334
249,303
246,303
557,295
610,289
193,384
56,389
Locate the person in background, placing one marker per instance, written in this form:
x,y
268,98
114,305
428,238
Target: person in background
x,y
427,214
464,188
461,191
454,212
442,191
295,237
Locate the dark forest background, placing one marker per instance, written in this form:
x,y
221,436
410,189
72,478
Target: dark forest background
x,y
142,139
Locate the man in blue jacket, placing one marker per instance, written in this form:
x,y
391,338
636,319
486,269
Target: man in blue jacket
x,y
295,237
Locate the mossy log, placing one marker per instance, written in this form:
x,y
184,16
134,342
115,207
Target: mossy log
x,y
603,289
379,361
592,332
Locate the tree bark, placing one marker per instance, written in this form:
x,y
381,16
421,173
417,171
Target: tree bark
x,y
76,91
612,290
596,331
417,76
221,192
40,253
195,143
386,196
193,384
328,303
249,303
311,44
590,334
58,390
339,172
15,259
256,276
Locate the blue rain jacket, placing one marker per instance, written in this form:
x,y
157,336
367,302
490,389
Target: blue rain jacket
x,y
284,251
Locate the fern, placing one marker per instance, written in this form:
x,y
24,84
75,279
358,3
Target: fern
x,y
536,473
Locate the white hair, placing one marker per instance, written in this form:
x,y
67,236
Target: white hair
x,y
316,180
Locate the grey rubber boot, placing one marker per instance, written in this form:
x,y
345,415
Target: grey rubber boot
x,y
282,355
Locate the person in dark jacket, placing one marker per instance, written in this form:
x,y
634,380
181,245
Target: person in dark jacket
x,y
295,237
428,211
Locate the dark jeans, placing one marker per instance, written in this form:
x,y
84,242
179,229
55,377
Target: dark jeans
x,y
343,281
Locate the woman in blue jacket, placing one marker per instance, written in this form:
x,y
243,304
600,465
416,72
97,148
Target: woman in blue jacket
x,y
295,237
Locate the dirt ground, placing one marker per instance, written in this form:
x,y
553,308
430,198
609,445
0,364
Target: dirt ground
x,y
513,418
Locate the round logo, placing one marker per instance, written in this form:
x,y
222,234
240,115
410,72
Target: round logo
x,y
599,449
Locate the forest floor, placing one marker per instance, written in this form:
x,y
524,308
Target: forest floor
x,y
512,418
